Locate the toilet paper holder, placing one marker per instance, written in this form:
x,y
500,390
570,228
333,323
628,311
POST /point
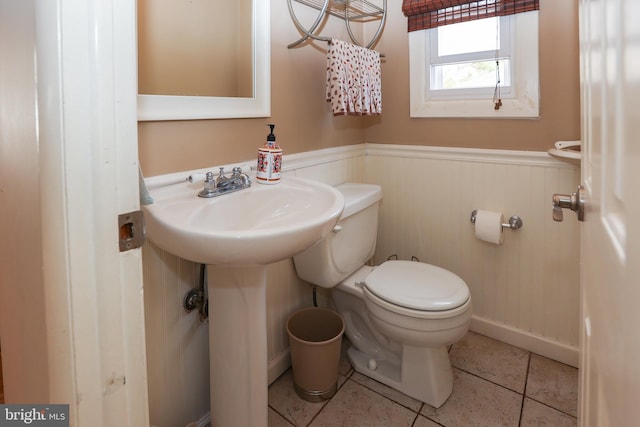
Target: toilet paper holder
x,y
515,222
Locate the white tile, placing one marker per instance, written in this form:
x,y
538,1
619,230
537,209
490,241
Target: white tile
x,y
476,402
277,420
536,414
283,399
423,422
553,383
356,406
387,391
492,360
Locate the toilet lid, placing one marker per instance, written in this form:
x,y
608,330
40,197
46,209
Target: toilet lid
x,y
417,286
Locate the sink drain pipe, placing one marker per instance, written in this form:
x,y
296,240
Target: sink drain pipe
x,y
197,298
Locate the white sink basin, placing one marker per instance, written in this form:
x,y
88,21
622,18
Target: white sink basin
x,y
258,225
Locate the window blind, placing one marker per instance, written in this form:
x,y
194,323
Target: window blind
x,y
423,14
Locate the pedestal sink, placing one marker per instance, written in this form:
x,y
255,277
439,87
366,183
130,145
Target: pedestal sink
x,y
237,235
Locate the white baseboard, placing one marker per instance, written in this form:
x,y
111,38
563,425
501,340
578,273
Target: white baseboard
x,y
278,365
546,347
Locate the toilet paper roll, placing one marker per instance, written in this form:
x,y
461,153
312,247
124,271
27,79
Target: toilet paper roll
x,y
489,226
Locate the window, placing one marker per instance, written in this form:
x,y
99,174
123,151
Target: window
x,y
463,58
453,68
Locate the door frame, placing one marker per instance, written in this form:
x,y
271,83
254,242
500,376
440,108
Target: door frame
x,y
87,85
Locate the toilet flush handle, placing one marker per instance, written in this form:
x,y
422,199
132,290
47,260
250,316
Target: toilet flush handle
x,y
337,229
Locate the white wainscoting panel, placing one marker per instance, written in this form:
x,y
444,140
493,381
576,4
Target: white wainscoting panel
x,y
177,342
530,283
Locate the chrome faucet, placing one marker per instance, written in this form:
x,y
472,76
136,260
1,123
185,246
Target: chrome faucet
x,y
223,184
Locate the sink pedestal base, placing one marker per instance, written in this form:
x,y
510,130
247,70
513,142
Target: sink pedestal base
x,y
238,345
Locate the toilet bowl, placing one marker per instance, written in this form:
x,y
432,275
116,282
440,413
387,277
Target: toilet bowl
x,y
400,316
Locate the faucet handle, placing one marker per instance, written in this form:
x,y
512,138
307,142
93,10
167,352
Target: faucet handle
x,y
209,186
221,178
238,175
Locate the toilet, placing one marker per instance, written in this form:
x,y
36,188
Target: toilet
x,y
400,316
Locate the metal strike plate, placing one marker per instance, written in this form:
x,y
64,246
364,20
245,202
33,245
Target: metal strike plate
x,y
131,230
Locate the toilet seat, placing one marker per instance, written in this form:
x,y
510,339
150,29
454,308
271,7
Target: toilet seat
x,y
417,286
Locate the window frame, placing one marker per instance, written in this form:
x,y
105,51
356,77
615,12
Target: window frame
x,y
521,100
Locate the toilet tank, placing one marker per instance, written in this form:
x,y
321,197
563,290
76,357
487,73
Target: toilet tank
x,y
352,242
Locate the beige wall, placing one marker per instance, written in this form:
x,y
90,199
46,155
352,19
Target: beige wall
x,y
22,289
559,100
303,121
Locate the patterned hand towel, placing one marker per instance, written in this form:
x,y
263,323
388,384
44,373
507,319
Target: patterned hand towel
x,y
353,79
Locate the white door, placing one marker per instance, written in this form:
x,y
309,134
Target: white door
x,y
610,234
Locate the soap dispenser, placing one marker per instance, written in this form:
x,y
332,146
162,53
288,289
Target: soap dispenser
x,y
269,160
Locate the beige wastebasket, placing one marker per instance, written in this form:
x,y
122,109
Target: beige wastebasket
x,y
315,337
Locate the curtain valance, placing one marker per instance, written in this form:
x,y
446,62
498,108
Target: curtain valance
x,y
425,14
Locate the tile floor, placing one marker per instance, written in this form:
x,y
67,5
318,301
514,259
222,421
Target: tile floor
x,y
495,384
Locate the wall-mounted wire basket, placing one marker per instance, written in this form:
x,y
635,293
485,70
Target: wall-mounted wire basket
x,y
359,11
